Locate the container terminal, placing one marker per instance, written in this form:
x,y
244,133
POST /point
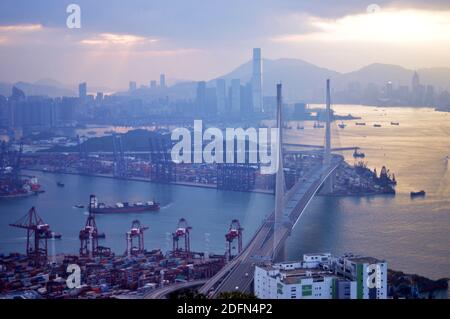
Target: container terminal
x,y
154,164
104,274
12,183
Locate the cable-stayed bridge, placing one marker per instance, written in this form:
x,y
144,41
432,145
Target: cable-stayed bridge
x,y
269,239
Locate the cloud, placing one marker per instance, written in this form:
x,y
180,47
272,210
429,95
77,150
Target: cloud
x,y
108,39
410,26
10,32
20,28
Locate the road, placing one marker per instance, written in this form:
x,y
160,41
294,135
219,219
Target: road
x,y
162,293
238,274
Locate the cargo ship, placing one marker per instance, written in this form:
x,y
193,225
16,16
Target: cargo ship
x,y
122,208
16,187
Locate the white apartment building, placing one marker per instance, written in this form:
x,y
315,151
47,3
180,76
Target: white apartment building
x,y
320,276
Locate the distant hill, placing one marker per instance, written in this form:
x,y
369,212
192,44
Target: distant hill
x,y
305,81
302,81
48,87
135,140
36,89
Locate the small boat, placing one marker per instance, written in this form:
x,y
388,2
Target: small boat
x,y
418,194
357,154
78,206
54,235
360,123
59,184
342,125
395,123
318,125
377,125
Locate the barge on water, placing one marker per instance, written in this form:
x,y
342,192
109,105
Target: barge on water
x,y
421,193
121,208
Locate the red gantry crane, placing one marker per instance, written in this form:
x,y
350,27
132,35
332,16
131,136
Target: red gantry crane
x,y
38,232
234,232
136,233
89,235
182,232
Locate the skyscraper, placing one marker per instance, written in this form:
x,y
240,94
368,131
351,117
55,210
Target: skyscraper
x,y
153,84
201,98
82,91
132,86
415,81
221,96
99,97
235,97
257,96
162,80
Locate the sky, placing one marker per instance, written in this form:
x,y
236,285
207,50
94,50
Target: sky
x,y
120,41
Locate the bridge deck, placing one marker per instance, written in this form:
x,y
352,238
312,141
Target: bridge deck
x,y
238,274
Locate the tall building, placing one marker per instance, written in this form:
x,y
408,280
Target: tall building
x,y
65,111
246,99
133,86
153,84
34,112
99,97
257,95
321,276
201,98
235,97
162,80
82,91
415,83
221,96
211,102
389,90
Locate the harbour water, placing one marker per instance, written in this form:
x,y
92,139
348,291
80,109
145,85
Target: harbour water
x,y
412,235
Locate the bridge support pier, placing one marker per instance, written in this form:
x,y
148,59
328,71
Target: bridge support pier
x,y
281,254
328,185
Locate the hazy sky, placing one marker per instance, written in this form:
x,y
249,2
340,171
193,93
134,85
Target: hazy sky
x,y
137,40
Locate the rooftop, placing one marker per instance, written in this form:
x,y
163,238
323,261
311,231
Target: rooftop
x,y
365,260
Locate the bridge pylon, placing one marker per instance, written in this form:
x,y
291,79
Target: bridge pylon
x,y
328,185
280,185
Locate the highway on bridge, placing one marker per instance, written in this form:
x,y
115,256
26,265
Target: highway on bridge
x,y
238,274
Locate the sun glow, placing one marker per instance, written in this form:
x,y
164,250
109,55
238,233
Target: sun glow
x,y
105,39
388,26
21,28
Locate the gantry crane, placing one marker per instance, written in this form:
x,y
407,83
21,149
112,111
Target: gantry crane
x,y
234,232
182,232
136,233
38,232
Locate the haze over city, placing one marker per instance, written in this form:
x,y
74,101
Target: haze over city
x,y
207,149
196,40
